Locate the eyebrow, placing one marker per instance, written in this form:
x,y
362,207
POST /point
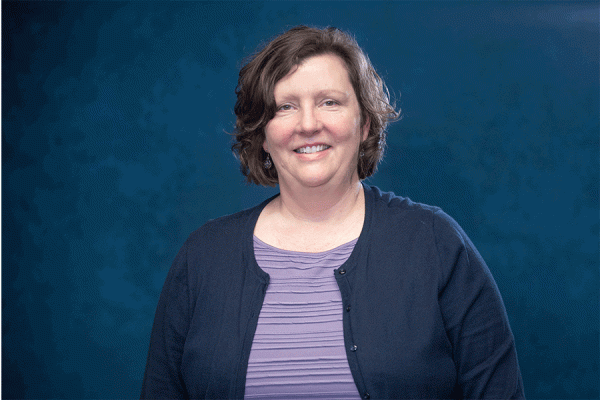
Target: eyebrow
x,y
323,92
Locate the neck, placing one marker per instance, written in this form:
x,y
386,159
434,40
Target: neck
x,y
323,204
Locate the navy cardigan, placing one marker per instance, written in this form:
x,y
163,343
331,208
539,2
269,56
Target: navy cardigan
x,y
422,315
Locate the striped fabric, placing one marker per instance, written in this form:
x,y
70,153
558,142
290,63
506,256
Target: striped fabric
x,y
298,349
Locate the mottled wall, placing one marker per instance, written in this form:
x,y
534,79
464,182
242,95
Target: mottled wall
x,y
114,150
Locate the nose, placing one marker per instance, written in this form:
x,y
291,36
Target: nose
x,y
309,122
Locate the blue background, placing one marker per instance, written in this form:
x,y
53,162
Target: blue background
x,y
114,149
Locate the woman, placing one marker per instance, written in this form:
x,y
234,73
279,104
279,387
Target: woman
x,y
331,289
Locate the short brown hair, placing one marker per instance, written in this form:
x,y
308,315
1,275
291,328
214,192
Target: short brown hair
x,y
255,105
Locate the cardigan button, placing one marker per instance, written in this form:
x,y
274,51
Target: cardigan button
x,y
348,309
353,347
366,396
342,271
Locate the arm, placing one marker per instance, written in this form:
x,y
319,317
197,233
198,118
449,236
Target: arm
x,y
162,378
475,318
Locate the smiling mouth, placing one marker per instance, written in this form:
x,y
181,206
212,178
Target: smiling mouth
x,y
312,149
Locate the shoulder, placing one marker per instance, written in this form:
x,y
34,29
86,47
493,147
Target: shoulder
x,y
427,232
387,206
390,203
391,213
229,225
217,249
224,233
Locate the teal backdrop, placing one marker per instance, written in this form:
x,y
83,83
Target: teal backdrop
x,y
115,148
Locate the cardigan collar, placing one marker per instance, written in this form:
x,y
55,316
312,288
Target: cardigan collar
x,y
249,258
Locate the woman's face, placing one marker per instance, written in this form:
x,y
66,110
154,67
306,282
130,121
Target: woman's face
x,y
314,136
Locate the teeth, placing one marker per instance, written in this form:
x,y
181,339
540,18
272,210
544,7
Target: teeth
x,y
312,149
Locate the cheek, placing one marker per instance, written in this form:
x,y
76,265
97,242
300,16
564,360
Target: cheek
x,y
281,129
349,129
268,136
274,136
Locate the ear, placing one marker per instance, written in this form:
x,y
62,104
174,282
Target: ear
x,y
265,146
365,129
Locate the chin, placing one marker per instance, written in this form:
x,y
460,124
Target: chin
x,y
312,181
317,181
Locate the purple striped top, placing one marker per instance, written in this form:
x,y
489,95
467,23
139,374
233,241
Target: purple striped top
x,y
298,349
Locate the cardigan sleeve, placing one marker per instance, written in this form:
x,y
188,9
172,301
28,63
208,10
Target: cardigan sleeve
x,y
475,318
162,378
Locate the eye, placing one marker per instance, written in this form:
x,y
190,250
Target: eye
x,y
285,107
330,103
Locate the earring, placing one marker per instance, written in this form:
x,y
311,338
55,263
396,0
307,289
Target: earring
x,y
361,154
268,164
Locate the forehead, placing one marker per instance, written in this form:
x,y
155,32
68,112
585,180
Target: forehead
x,y
320,72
